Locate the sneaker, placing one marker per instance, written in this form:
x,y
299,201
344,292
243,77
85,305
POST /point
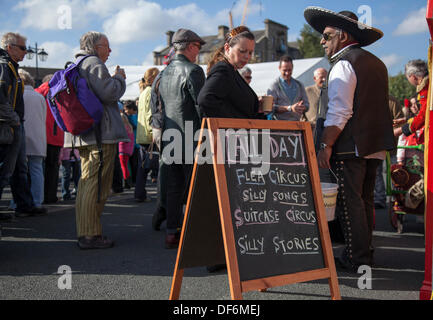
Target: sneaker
x,y
96,242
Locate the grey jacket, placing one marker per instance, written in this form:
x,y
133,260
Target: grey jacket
x,y
281,99
109,90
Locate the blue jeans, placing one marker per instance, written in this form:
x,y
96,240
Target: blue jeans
x,y
36,173
19,182
67,167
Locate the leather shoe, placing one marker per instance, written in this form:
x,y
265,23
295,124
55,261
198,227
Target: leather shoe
x,y
172,241
96,242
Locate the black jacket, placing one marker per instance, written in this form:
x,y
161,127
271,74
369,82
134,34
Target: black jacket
x,y
11,91
179,87
227,95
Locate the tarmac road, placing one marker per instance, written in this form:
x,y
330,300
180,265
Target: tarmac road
x,y
139,268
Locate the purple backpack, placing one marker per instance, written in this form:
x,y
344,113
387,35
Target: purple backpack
x,y
74,106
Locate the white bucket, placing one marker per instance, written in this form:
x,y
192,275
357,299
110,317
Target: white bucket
x,y
330,192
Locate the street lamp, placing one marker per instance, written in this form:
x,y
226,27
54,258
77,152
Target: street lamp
x,y
38,53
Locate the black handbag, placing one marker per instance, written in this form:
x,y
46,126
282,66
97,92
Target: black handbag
x,y
151,158
6,134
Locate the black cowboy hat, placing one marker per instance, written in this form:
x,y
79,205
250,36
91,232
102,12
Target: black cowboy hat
x,y
320,18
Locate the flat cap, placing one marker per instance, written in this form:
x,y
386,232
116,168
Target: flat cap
x,y
185,35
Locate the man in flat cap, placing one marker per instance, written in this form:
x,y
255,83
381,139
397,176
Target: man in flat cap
x,y
179,87
358,127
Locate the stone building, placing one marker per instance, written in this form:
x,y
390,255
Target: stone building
x,y
271,44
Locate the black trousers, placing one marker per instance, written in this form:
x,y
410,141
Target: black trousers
x,y
117,185
355,207
51,174
140,192
178,178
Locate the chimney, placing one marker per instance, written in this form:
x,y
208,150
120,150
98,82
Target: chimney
x,y
222,30
170,35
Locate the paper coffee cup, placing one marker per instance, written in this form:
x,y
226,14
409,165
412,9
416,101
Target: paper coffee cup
x,y
267,103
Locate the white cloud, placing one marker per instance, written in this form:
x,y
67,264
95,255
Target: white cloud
x,y
391,60
104,8
147,20
415,22
50,14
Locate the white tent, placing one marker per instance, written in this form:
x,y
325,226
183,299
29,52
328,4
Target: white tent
x,y
263,75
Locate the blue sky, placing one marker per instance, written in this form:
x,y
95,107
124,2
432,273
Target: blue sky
x,y
135,28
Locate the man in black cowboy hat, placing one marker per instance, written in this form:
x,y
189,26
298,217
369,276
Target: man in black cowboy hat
x,y
358,127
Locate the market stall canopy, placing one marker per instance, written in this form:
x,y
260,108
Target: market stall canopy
x,y
263,74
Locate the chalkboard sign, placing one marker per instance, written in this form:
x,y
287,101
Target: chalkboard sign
x,y
274,217
257,206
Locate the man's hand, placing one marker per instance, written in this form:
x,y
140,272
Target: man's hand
x,y
323,158
299,107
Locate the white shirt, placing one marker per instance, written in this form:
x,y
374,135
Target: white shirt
x,y
341,92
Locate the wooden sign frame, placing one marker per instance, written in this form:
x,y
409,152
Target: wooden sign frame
x,y
237,287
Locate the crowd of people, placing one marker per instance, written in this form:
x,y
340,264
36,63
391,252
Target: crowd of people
x,y
354,121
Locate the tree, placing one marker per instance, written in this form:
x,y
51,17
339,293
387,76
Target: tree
x,y
309,44
400,88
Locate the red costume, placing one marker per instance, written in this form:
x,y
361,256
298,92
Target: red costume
x,y
418,122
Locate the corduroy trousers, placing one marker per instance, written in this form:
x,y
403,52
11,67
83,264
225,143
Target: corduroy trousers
x,y
88,210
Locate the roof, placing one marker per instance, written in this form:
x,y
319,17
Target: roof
x,y
263,74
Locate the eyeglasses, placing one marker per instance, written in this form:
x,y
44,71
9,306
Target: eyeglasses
x,y
103,45
328,36
23,48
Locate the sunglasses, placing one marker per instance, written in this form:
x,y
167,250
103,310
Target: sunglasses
x,y
23,48
198,45
328,36
248,77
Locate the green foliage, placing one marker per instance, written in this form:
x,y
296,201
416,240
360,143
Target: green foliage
x,y
400,88
309,44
